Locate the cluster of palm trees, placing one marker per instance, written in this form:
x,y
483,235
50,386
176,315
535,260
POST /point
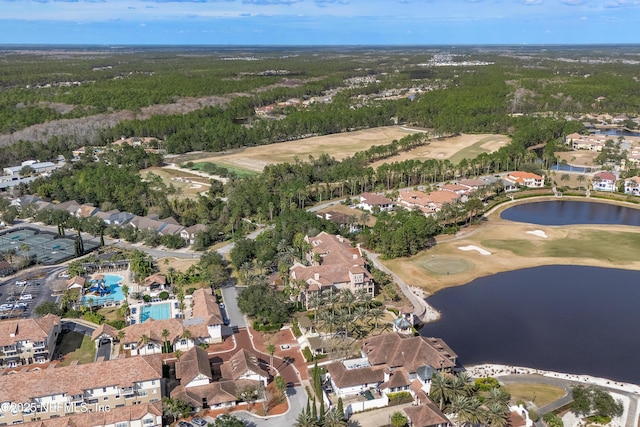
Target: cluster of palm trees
x,y
345,312
458,397
330,418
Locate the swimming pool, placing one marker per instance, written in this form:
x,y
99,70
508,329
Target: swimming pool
x,y
112,282
155,311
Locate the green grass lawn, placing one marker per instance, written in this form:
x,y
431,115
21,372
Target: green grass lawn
x,y
472,151
613,246
540,394
238,171
73,345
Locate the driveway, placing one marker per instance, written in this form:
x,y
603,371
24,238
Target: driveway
x,y
230,297
297,401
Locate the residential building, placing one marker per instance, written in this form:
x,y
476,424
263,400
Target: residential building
x,y
26,341
143,415
66,391
241,378
335,265
340,218
426,415
632,186
604,181
428,203
189,233
147,338
390,363
526,179
206,318
374,203
85,211
455,188
591,142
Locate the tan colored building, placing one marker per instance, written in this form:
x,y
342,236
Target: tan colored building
x,y
240,377
335,265
26,341
143,415
40,394
526,179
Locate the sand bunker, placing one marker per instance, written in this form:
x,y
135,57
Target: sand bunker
x,y
538,233
474,248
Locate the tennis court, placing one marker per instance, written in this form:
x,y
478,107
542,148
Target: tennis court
x,y
46,247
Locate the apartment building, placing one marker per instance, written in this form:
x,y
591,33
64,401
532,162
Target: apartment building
x,y
26,341
34,394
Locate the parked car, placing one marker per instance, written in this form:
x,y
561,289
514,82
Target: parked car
x,y
184,424
21,282
26,297
198,421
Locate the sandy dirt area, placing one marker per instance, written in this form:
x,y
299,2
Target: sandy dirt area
x,y
578,157
445,265
446,148
337,145
188,185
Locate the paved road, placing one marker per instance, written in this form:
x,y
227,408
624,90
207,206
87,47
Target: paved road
x,y
419,304
297,401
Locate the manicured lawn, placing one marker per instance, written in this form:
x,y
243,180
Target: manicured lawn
x,y
238,171
110,313
542,393
75,346
615,247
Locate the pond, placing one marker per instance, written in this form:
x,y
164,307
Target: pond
x,y
580,320
567,212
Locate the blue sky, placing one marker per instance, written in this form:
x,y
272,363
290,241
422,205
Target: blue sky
x,y
319,22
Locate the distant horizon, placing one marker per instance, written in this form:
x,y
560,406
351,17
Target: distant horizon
x,y
319,22
352,45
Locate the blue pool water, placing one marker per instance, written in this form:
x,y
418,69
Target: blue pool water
x,y
155,311
111,281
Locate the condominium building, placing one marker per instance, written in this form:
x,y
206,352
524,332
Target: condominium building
x,y
34,394
26,341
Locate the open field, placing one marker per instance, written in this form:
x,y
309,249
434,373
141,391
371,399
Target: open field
x,y
539,394
573,181
578,157
514,246
455,148
187,184
337,145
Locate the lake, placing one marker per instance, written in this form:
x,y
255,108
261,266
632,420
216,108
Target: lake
x,y
566,212
579,320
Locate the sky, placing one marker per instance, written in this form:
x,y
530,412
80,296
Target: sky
x,y
319,22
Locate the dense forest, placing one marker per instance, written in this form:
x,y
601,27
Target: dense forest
x,y
100,96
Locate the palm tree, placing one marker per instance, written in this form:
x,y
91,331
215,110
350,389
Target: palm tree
x,y
165,335
306,419
334,419
461,385
467,410
440,387
187,335
125,291
496,415
271,349
177,354
347,299
314,301
377,314
497,396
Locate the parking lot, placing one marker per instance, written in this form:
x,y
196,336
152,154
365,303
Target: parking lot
x,y
21,295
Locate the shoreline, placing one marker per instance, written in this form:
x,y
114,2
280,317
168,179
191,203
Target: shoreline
x,y
497,370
